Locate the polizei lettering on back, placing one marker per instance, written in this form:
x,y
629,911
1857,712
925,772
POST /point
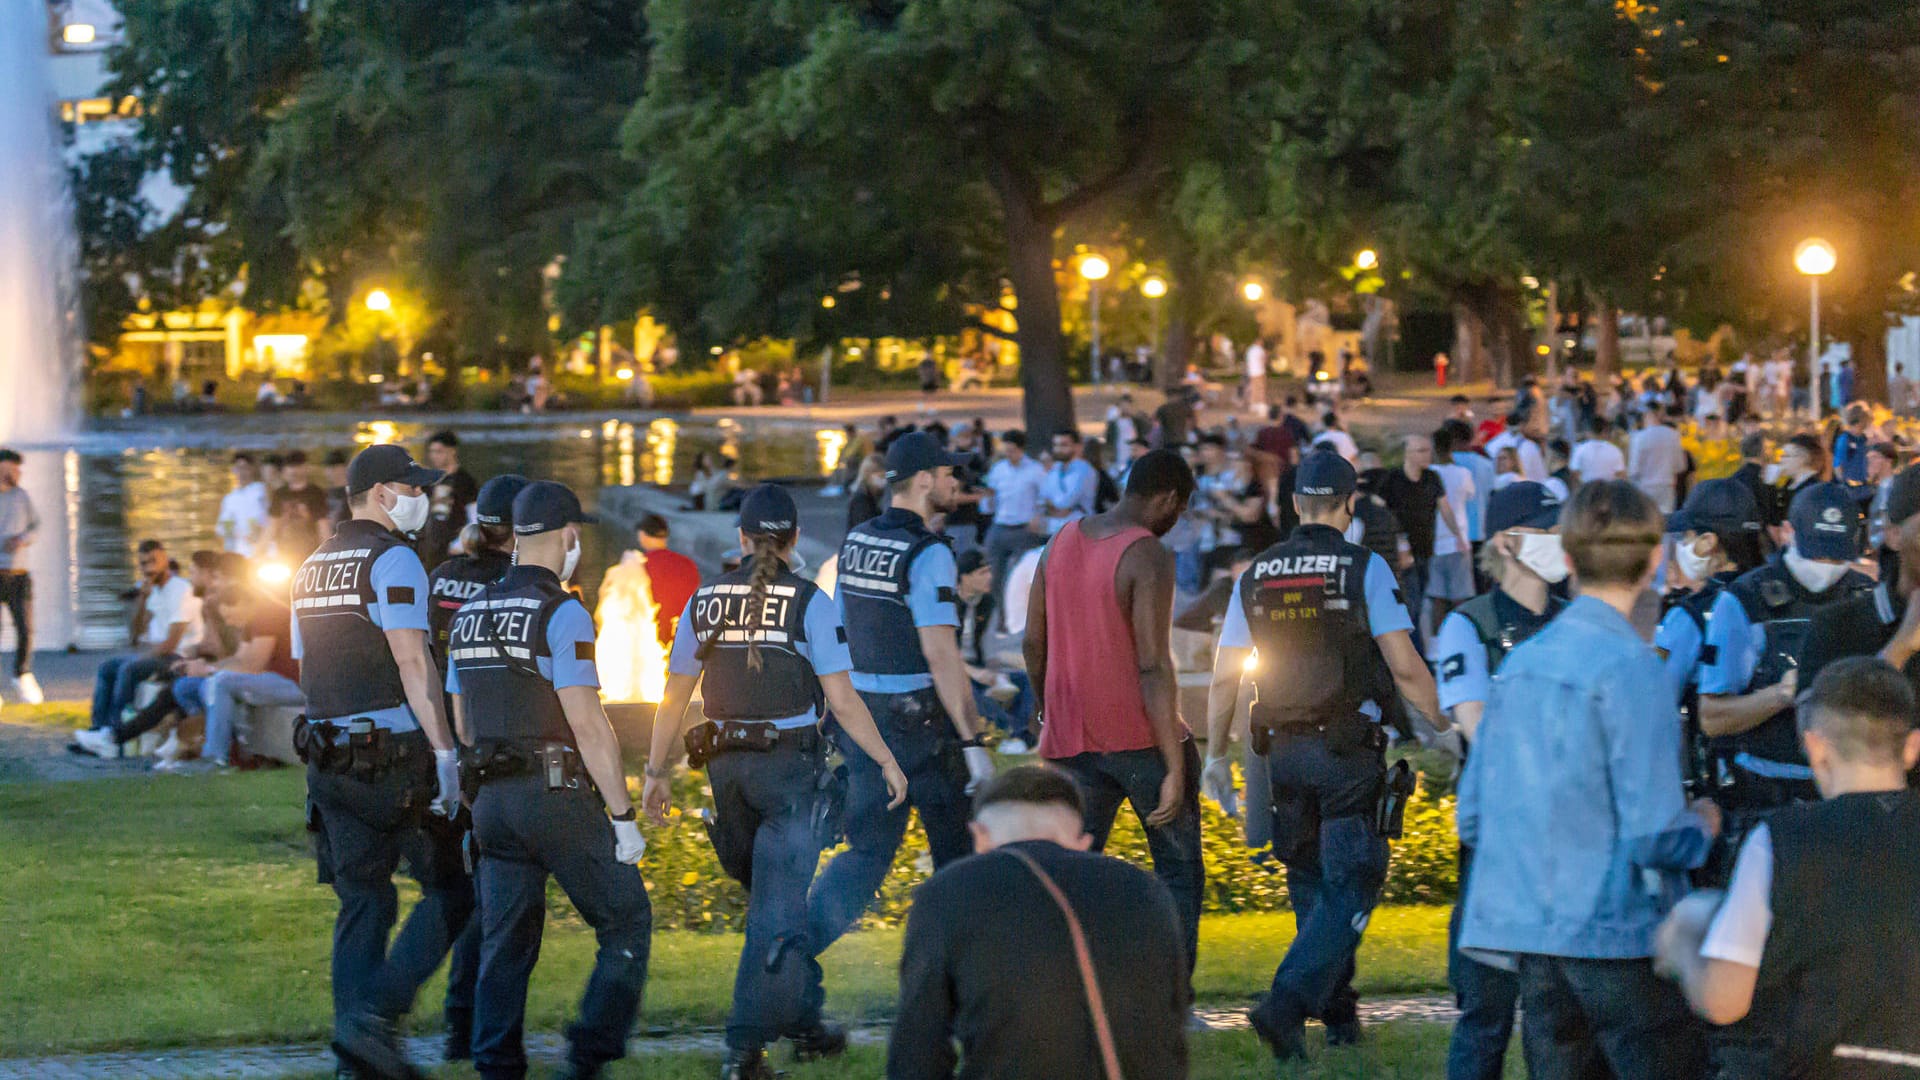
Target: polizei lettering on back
x,y
1288,565
454,589
869,561
334,576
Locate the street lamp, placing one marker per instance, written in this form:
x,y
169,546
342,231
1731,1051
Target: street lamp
x,y
1815,258
378,300
1253,291
1094,269
1367,259
1153,289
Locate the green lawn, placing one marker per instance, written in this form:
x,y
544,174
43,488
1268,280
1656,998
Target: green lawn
x,y
156,911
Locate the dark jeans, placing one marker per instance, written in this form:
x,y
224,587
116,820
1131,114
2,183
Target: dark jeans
x,y
762,831
115,680
526,833
1323,806
1004,545
16,595
1595,1019
1486,995
363,830
1016,716
1413,589
1134,777
922,739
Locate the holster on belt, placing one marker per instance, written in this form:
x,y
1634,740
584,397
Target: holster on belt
x,y
710,740
1346,730
491,761
829,818
700,745
364,754
1390,815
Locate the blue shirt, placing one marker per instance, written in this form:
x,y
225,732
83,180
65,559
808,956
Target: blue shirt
x,y
824,648
933,581
1385,613
570,625
396,574
1572,797
1735,643
1483,477
1072,486
1678,641
1464,675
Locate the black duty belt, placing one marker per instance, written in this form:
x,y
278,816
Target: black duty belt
x,y
559,764
1344,730
710,740
358,748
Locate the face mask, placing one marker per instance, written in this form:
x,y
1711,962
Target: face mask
x,y
1692,564
409,512
1816,577
1542,554
571,563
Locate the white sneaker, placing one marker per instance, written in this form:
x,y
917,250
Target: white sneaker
x,y
170,749
28,688
99,742
149,742
1003,690
1013,747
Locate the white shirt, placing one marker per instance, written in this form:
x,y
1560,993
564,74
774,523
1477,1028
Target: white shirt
x,y
1596,460
1459,484
171,603
1739,929
1655,458
1072,486
243,517
1016,490
1532,465
1341,442
1256,360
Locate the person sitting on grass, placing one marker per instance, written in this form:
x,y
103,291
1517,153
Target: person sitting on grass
x,y
1004,697
261,673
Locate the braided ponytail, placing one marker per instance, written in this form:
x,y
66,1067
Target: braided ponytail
x,y
766,566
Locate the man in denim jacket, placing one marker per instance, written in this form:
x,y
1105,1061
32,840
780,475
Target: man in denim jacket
x,y
1573,802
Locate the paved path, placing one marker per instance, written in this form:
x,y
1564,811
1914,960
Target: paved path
x,y
263,1062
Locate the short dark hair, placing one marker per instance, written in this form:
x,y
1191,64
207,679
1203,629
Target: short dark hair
x,y
1599,425
444,438
1462,432
1443,440
297,457
1014,436
1863,706
274,460
1214,438
1158,472
9,456
336,457
1811,444
653,525
233,564
1072,435
243,456
1516,419
1754,445
206,560
149,546
1461,399
1033,785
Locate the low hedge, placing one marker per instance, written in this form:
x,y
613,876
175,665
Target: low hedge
x,y
690,892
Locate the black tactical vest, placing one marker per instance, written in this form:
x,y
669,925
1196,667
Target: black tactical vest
x,y
1498,635
1306,606
495,646
452,584
348,667
1782,609
1842,962
872,590
727,619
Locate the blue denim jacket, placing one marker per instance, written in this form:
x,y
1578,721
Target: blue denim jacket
x,y
1572,797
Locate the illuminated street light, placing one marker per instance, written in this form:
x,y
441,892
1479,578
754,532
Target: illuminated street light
x,y
1153,288
1815,258
1367,259
77,33
1253,291
828,302
1094,269
378,300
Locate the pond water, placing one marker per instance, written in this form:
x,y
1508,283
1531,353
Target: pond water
x,y
126,482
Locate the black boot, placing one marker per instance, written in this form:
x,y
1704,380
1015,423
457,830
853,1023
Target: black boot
x,y
459,1035
746,1063
1281,1027
371,1045
820,1041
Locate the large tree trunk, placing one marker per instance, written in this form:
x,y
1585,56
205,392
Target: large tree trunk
x,y
1183,302
1868,336
1468,334
1606,349
1048,405
1500,331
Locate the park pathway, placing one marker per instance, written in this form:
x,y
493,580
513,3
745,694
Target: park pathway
x,y
267,1062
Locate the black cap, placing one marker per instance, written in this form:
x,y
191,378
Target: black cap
x,y
1826,522
387,464
968,561
768,510
917,451
9,456
1323,472
1903,495
494,504
1719,506
543,506
1522,505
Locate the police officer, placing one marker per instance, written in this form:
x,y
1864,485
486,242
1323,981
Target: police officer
x,y
1757,635
1334,645
772,647
899,593
488,547
550,797
1524,558
1719,536
373,713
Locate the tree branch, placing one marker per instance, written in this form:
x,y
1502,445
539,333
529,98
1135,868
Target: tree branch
x,y
1144,159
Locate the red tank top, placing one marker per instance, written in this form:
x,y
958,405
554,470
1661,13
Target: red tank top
x,y
1093,698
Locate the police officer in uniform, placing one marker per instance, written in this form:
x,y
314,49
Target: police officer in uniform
x,y
1757,636
899,599
1719,536
374,712
1524,557
1334,647
551,796
772,647
488,546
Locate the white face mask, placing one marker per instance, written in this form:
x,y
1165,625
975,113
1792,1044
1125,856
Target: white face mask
x,y
571,563
1542,554
409,512
1815,577
1692,564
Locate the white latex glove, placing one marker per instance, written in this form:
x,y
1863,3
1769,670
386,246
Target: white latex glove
x,y
979,766
628,844
446,769
1216,783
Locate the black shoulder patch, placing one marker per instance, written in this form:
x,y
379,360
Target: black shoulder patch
x,y
841,633
947,594
1709,655
1453,666
399,594
1399,598
583,650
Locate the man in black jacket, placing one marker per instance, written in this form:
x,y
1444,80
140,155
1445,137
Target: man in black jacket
x,y
989,957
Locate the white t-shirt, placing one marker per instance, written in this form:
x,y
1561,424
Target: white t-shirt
x,y
1597,460
1459,484
1532,465
172,603
1739,929
1341,442
1256,360
243,518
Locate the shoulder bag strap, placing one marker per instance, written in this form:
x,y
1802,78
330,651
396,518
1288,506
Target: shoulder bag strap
x,y
1102,1031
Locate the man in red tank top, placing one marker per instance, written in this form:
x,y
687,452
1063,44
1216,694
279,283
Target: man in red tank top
x,y
1098,653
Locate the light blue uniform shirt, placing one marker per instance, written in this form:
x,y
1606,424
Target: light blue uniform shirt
x,y
1385,613
566,665
1463,672
1736,644
932,581
824,649
396,576
1679,642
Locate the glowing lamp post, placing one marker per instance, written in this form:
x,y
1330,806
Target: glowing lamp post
x,y
1253,292
1815,258
379,300
1367,259
1095,270
1153,289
